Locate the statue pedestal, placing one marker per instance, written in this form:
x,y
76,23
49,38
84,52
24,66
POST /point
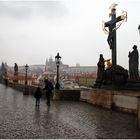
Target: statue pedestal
x,y
132,84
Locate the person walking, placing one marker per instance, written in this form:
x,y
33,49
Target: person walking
x,y
48,88
38,95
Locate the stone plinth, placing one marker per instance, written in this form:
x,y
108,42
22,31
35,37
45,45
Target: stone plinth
x,y
132,85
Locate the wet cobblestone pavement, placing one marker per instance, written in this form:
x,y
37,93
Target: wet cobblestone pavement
x,y
19,118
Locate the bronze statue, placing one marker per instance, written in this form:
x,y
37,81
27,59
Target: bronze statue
x,y
134,63
108,63
108,72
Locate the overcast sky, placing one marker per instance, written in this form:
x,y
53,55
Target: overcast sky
x,y
31,31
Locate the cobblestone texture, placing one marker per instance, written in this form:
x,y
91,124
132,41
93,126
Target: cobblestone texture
x,y
19,118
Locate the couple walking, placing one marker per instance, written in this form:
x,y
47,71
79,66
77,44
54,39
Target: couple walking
x,y
48,91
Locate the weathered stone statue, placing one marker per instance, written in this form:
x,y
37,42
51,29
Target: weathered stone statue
x,y
134,63
101,68
15,69
15,73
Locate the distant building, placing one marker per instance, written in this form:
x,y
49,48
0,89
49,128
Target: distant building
x,y
86,79
50,69
70,73
20,78
37,73
50,65
78,70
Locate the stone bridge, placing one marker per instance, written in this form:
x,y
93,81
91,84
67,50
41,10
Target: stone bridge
x,y
19,119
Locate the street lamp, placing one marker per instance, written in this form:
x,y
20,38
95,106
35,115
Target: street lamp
x,y
57,60
139,28
26,68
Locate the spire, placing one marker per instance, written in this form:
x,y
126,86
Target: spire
x,y
46,64
50,59
46,61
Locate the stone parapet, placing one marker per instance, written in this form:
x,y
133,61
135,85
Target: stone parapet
x,y
73,95
26,89
121,100
103,98
138,113
125,102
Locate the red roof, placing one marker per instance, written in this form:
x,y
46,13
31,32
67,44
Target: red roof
x,y
21,76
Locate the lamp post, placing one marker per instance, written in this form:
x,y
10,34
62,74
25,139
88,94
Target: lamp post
x,y
139,28
26,68
57,60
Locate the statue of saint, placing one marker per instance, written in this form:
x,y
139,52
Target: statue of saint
x,y
15,69
101,68
134,63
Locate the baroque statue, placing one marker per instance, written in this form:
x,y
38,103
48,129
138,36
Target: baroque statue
x,y
134,63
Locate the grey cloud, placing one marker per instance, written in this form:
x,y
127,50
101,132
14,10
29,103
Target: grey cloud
x,y
25,9
53,9
14,9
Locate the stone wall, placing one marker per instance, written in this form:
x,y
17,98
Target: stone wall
x,y
103,98
73,95
122,100
26,89
125,103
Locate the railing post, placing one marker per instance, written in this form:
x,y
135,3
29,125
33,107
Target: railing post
x,y
56,95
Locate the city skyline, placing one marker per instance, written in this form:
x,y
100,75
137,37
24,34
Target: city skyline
x,y
31,31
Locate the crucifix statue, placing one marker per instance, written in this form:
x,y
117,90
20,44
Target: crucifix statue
x,y
111,26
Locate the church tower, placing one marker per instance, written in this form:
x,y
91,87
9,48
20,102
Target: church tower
x,y
46,64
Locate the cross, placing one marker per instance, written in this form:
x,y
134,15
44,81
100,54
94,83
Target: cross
x,y
112,27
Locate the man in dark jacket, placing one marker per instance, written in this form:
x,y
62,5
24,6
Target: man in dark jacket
x,y
48,87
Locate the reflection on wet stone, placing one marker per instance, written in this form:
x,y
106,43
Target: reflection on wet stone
x,y
63,119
